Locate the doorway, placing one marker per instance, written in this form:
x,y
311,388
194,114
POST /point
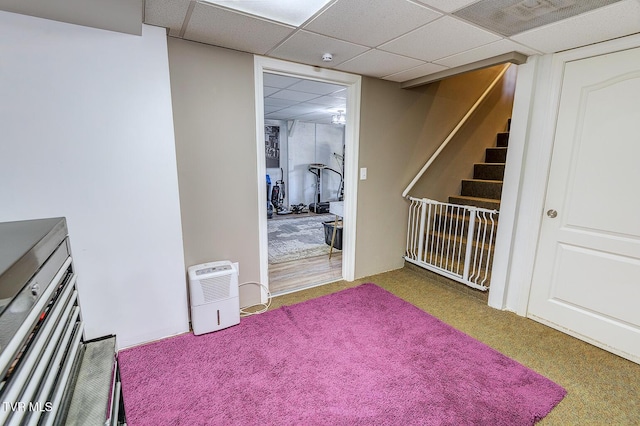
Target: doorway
x,y
325,171
304,156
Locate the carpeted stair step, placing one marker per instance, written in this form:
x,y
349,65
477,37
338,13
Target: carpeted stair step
x,y
488,171
482,188
485,203
450,240
503,139
448,221
496,155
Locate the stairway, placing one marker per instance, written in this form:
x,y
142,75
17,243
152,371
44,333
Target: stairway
x,y
452,240
485,189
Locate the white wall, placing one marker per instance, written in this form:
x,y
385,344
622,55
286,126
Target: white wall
x,y
87,133
313,143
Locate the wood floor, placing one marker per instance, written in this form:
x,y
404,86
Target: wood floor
x,y
298,274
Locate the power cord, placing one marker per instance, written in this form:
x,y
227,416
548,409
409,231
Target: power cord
x,y
265,306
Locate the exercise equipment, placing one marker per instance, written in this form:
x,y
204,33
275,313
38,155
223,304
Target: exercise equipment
x,y
277,196
318,169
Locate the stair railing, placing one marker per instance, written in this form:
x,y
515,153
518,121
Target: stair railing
x,y
452,240
464,119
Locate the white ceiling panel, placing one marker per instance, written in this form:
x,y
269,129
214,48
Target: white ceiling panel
x,y
371,24
221,27
444,37
328,101
320,117
407,37
280,81
315,87
292,12
483,52
377,63
166,13
277,116
616,20
307,100
342,93
292,95
447,5
269,90
308,48
270,108
279,103
416,72
300,109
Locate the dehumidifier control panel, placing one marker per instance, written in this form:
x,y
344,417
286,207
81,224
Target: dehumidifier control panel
x,y
213,269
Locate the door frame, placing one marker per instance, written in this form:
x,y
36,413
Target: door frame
x,y
533,128
353,84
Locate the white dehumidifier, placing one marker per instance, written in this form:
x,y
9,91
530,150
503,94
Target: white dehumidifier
x,y
215,302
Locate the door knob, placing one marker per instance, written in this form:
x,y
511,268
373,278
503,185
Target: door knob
x,y
552,213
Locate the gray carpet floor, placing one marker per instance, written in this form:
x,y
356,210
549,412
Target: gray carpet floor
x,y
297,237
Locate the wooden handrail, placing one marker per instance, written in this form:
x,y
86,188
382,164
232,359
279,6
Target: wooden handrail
x,y
455,130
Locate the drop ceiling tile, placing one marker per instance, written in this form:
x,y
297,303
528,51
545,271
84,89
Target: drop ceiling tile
x,y
447,5
280,103
328,101
616,20
361,22
342,94
376,63
300,109
276,116
269,109
483,52
221,27
292,95
308,48
419,71
280,81
319,117
292,12
269,90
444,37
316,87
166,13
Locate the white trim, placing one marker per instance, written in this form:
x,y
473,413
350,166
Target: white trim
x,y
533,124
511,182
352,138
527,199
537,160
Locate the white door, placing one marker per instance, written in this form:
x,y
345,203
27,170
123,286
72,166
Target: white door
x,y
586,280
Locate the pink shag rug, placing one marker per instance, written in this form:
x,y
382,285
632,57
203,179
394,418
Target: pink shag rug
x,y
361,356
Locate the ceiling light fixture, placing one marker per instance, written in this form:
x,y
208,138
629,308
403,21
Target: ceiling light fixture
x,y
339,118
292,12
